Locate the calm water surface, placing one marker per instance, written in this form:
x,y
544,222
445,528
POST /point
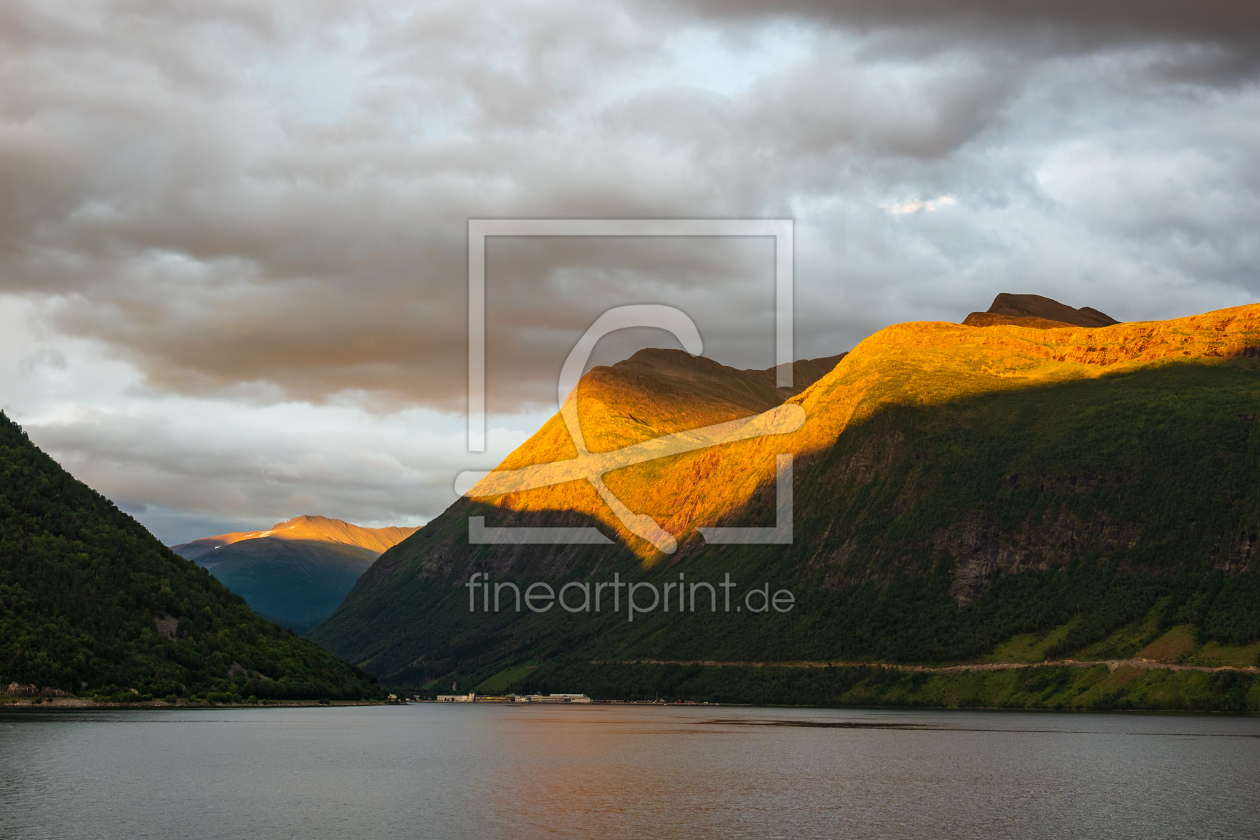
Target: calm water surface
x,y
621,771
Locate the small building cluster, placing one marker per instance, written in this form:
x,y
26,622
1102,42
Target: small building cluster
x,y
550,698
473,697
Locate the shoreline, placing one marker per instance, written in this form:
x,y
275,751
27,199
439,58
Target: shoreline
x,y
87,705
1122,672
149,705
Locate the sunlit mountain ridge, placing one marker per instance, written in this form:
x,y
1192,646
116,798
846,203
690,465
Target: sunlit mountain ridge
x,y
919,363
311,528
960,494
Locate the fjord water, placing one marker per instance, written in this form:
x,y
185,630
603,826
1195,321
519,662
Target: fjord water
x,y
482,771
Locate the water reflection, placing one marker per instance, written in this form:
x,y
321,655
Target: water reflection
x,y
612,772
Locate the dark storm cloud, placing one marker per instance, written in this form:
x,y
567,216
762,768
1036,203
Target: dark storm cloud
x,y
1226,21
1225,34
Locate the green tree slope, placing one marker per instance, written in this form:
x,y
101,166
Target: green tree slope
x,y
93,604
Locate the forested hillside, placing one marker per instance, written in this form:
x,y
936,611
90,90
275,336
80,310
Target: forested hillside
x,y
92,604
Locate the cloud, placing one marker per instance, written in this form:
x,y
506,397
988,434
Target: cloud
x,y
1223,21
186,466
180,194
915,205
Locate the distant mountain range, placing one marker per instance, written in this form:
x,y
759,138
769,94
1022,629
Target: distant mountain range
x,y
296,572
93,605
1041,482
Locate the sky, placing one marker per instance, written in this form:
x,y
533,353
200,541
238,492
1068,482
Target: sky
x,y
233,235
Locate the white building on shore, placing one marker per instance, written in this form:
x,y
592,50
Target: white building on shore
x,y
472,697
552,698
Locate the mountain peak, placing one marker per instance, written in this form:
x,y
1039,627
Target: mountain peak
x,y
679,367
297,571
1037,312
314,529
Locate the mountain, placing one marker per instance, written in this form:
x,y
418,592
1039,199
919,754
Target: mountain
x,y
92,604
296,572
1037,312
305,529
981,496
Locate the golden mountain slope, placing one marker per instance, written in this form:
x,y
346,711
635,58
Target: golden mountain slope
x,y
317,529
662,392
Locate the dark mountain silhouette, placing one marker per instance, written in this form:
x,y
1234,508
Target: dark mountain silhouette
x,y
1037,312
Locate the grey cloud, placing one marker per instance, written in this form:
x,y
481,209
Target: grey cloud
x,y
157,200
253,470
1225,21
826,104
823,104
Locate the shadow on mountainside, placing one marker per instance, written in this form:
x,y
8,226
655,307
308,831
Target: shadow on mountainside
x,y
925,534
